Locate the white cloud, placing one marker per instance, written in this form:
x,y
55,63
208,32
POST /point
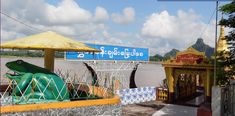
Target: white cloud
x,y
66,18
159,25
101,14
64,30
114,41
67,12
160,32
106,34
127,17
32,10
178,31
7,34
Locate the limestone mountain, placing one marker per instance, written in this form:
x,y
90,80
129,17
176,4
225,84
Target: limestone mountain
x,y
199,45
156,57
172,53
202,47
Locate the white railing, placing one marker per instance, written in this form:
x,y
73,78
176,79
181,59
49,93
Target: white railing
x,y
113,73
111,76
77,87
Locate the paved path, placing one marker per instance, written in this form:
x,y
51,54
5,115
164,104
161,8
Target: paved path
x,y
142,109
176,110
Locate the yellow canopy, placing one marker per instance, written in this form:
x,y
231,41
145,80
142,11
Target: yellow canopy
x,y
49,42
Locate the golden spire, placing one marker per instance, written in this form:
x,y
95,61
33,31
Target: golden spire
x,y
222,43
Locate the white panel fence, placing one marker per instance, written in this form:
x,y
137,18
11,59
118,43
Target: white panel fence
x,y
136,95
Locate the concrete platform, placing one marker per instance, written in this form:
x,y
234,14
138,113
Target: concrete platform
x,y
196,101
176,110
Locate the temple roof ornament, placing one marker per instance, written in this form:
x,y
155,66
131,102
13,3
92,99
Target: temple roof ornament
x,y
190,58
191,50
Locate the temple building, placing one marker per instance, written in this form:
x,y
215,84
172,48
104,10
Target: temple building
x,y
187,74
191,72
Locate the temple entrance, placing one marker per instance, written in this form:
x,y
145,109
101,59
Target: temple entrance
x,y
188,83
189,75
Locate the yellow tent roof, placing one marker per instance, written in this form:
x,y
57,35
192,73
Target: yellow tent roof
x,y
47,40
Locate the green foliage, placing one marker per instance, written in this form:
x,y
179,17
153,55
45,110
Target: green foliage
x,y
228,8
29,53
226,65
221,70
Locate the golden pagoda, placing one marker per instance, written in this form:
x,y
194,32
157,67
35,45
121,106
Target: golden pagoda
x,y
222,42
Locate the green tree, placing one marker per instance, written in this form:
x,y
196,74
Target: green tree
x,y
228,62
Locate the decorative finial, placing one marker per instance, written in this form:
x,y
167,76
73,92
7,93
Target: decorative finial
x,y
222,29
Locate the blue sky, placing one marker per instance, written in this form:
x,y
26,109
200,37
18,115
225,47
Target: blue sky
x,y
143,8
157,25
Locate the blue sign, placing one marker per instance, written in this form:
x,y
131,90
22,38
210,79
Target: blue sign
x,y
109,52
